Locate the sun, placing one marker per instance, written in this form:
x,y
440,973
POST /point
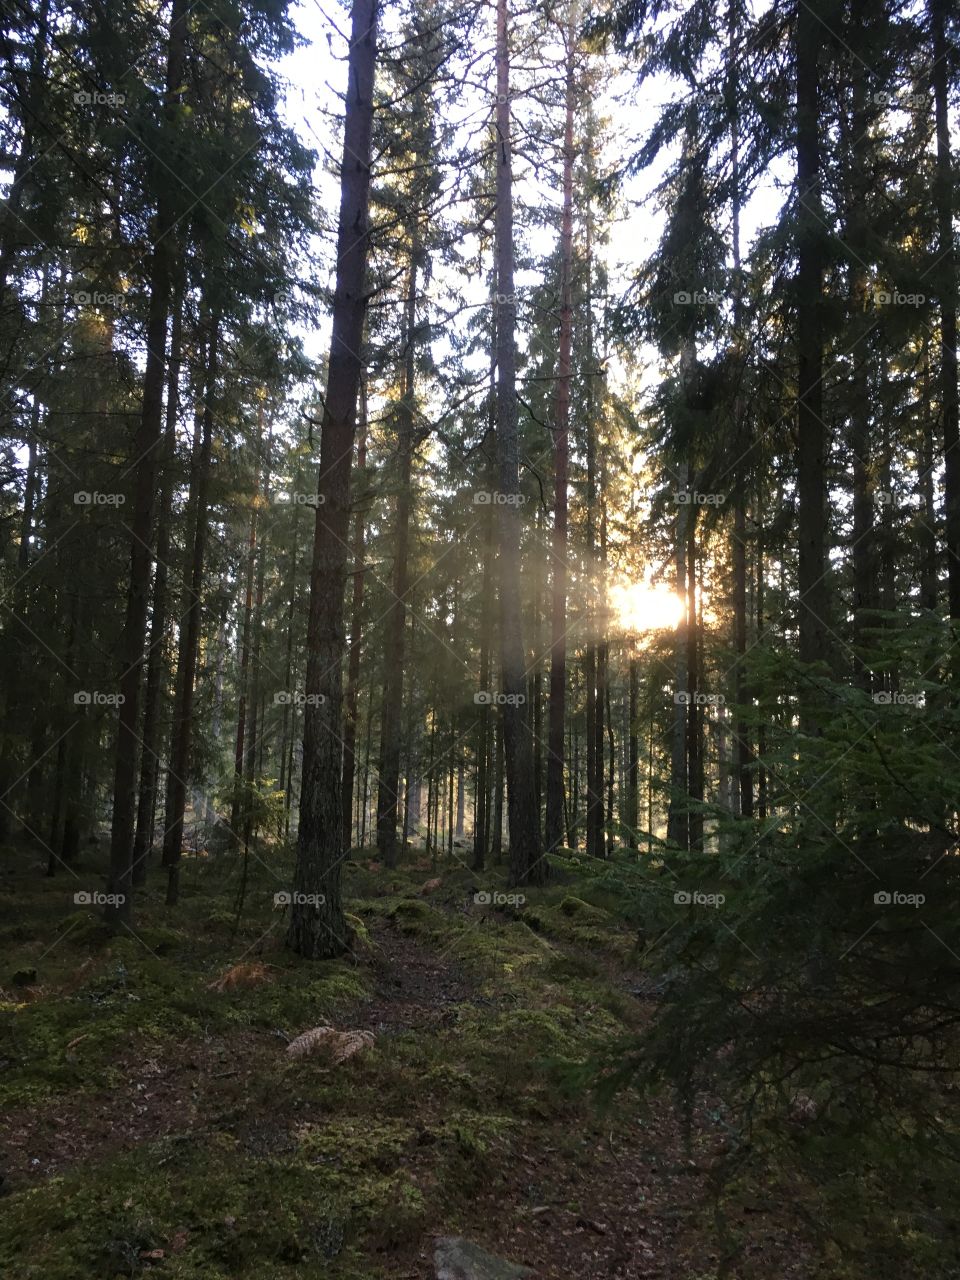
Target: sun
x,y
644,606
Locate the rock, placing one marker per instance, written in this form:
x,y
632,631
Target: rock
x,y
457,1259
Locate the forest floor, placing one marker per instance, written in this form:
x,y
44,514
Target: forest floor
x,y
155,1123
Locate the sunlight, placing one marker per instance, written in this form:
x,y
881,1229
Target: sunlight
x,y
644,606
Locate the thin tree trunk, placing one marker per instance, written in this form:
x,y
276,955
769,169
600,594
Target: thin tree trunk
x,y
391,716
182,737
527,865
812,600
119,913
156,662
946,275
561,466
243,677
356,638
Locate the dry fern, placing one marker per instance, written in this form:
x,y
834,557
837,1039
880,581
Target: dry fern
x,y
431,885
240,975
336,1046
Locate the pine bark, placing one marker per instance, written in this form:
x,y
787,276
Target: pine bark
x,y
317,926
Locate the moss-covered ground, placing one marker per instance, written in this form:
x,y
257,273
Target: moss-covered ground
x,y
154,1123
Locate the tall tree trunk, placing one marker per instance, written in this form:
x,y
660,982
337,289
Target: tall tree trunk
x,y
812,603
391,717
356,639
527,865
481,823
561,427
150,760
149,433
946,275
317,925
678,818
633,756
246,637
189,647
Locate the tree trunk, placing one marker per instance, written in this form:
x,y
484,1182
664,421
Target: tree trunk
x,y
527,865
561,426
812,603
946,269
356,640
133,638
391,716
317,925
182,736
150,760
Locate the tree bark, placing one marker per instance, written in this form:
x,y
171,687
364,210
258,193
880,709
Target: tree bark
x,y
149,432
189,647
391,718
812,437
356,640
527,865
317,926
561,427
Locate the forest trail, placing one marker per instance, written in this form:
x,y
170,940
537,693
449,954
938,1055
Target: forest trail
x,y
460,1121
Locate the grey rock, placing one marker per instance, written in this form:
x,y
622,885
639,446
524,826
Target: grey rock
x,y
458,1259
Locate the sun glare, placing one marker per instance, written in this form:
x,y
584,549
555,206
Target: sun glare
x,y
645,606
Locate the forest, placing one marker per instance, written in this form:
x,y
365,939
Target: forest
x,y
479,651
